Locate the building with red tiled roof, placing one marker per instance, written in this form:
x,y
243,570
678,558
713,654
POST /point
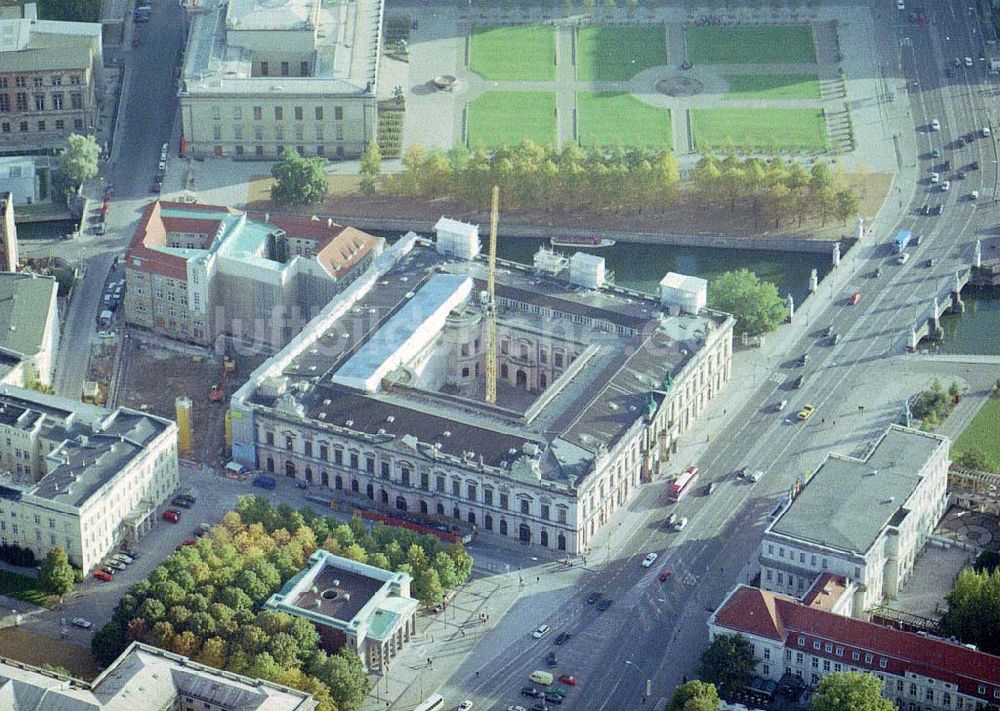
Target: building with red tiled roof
x,y
196,272
918,672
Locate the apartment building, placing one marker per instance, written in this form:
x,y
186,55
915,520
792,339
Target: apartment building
x,y
145,677
195,272
865,519
8,234
50,79
78,476
260,77
363,608
29,328
381,398
918,672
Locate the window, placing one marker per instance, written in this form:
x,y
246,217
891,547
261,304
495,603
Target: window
x,y
237,113
284,69
298,113
216,113
425,480
561,514
946,700
525,506
258,133
303,69
41,125
828,648
855,655
319,134
781,552
338,113
913,689
76,100
217,132
20,82
324,452
4,103
289,442
22,101
439,484
504,503
338,456
839,651
801,641
799,658
385,470
75,80
868,659
488,496
767,653
472,491
883,662
826,665
370,464
258,113
929,695
768,575
837,667
545,511
899,686
817,645
318,112
354,460
36,81
263,69
279,135
57,102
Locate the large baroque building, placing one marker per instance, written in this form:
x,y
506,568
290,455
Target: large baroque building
x,y
382,397
262,76
50,76
195,272
78,476
142,678
865,519
809,640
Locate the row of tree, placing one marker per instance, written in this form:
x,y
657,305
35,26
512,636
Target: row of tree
x,y
772,190
932,406
206,600
974,607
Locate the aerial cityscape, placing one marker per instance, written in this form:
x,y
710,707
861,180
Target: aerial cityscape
x,y
510,355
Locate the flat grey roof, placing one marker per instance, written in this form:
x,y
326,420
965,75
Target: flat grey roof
x,y
849,502
25,303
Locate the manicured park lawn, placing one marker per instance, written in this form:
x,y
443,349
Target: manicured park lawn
x,y
773,86
983,432
514,53
607,118
759,129
22,587
618,53
499,117
751,44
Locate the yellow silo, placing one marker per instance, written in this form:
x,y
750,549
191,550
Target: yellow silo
x,y
182,406
229,430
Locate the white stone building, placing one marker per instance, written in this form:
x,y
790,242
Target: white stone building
x,y
865,519
80,477
381,397
29,328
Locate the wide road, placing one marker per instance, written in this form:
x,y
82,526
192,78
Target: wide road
x,y
147,112
655,630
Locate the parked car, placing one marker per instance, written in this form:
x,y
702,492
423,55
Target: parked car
x,y
649,560
665,575
551,660
183,503
126,559
172,516
935,177
711,488
554,698
562,638
531,692
82,623
681,523
946,186
755,477
593,597
568,679
465,706
806,412
103,575
512,707
117,565
935,153
604,604
540,632
855,298
935,125
974,195
936,210
157,186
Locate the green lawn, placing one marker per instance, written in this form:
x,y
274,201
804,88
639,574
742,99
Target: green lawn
x,y
607,118
773,86
982,433
759,129
751,44
499,117
23,588
618,53
514,53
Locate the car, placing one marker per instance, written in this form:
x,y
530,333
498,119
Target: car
x,y
935,177
604,604
540,632
156,187
742,471
903,258
649,560
935,153
164,151
551,660
568,679
798,381
681,523
960,143
946,186
126,559
82,623
968,61
935,125
189,541
301,484
806,412
172,516
855,298
512,707
593,597
465,706
117,565
755,477
103,575
692,470
961,175
974,165
929,263
710,489
974,195
958,61
183,503
106,334
778,407
554,698
540,706
900,5
936,210
834,339
671,519
877,273
531,692
665,575
108,569
803,359
161,167
562,638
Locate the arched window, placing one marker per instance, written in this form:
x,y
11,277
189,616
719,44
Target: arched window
x,y
383,496
503,527
338,482
290,469
488,522
325,478
270,465
440,509
354,486
455,513
522,379
543,381
524,533
401,503
309,474
561,542
423,506
544,538
504,372
472,518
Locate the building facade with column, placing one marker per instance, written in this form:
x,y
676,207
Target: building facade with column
x,y
863,518
381,398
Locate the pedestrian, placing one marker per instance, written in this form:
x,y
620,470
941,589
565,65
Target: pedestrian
x,y
685,679
429,662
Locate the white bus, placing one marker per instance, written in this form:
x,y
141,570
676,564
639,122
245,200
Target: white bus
x,y
434,702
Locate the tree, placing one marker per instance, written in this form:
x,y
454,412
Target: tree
x,y
974,609
345,675
756,304
371,168
79,161
300,180
850,691
213,653
976,458
728,663
427,586
694,696
70,10
846,205
56,575
107,644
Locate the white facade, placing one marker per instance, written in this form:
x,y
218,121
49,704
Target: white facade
x,y
587,270
687,293
459,239
17,177
29,328
81,477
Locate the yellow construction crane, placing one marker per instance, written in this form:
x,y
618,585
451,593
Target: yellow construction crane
x,y
491,304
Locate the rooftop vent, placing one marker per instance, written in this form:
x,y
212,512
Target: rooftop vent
x,y
446,433
390,418
349,423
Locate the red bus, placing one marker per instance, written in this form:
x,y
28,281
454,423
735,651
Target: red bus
x,y
683,484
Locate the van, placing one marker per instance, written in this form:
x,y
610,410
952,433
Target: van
x,y
265,482
542,677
